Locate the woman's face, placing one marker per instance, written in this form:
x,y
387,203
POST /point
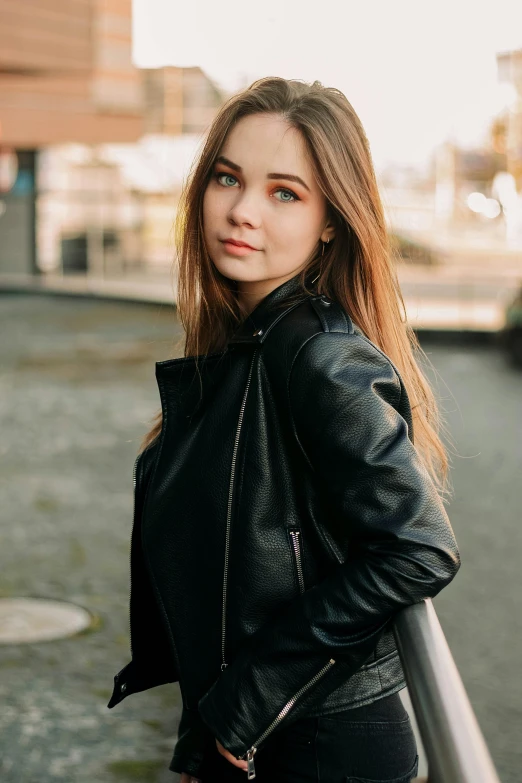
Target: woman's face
x,y
263,192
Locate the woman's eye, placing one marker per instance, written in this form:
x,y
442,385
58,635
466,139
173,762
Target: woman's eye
x,y
284,192
227,176
228,180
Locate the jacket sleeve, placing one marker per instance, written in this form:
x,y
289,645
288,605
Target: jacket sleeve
x,y
350,415
194,739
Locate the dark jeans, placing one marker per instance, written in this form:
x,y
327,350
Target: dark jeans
x,y
370,744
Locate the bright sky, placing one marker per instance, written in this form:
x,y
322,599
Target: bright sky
x,y
416,72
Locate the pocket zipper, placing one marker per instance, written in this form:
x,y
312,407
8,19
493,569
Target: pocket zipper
x,y
295,534
249,755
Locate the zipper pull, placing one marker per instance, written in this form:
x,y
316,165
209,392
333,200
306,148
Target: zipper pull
x,y
251,769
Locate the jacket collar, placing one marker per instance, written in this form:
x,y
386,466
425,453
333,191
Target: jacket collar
x,y
256,326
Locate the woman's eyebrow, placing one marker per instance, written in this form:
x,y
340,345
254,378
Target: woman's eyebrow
x,y
227,162
291,177
274,175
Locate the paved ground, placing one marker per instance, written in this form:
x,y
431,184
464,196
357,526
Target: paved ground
x,y
77,390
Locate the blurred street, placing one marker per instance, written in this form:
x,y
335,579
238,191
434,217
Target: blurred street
x,y
77,393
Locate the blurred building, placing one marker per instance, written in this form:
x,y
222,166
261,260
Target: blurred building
x,y
509,66
66,73
179,100
67,78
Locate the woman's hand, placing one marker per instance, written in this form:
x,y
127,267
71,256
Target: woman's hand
x,y
230,757
187,778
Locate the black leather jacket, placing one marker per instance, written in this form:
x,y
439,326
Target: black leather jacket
x,y
281,519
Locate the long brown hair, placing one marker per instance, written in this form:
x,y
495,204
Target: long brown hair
x,y
357,268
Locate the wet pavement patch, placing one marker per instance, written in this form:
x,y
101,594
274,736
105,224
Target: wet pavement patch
x,y
29,620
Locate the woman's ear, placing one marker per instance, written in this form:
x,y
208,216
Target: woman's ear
x,y
328,233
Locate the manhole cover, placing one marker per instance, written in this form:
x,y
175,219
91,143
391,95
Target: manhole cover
x,y
39,619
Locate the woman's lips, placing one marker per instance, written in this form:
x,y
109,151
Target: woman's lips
x,y
238,250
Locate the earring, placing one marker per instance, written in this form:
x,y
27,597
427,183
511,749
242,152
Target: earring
x,y
324,243
320,263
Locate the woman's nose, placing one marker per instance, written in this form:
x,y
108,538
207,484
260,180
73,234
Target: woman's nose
x,y
244,210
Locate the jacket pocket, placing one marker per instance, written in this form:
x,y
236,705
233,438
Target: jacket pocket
x,y
294,534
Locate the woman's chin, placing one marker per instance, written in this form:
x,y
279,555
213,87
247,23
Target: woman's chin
x,y
240,269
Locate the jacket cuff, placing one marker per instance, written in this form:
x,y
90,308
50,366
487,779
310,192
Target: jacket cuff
x,y
194,741
213,717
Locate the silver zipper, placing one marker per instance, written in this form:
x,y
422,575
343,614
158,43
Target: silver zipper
x,y
251,770
295,542
229,511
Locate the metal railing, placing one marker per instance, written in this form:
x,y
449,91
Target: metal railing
x,y
455,748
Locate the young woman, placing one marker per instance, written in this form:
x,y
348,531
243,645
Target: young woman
x,y
283,514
